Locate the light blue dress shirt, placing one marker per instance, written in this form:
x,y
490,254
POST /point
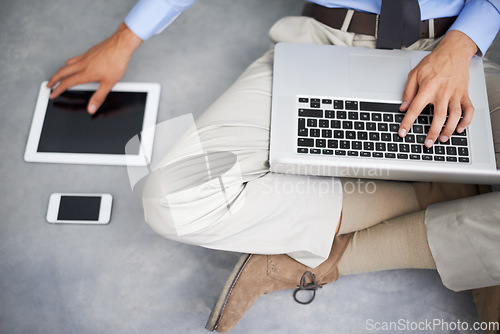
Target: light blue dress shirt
x,y
478,19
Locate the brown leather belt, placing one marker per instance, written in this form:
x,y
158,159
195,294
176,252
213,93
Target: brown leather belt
x,y
366,23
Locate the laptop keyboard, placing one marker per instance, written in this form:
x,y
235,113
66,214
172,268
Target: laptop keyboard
x,y
335,127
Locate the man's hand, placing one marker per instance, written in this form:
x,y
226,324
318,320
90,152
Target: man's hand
x,y
441,79
105,63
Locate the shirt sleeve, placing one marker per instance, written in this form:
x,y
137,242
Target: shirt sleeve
x,y
480,20
150,17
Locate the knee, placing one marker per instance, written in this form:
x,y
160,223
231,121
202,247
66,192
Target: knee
x,y
183,200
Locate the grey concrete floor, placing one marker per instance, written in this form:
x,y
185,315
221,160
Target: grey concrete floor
x,y
122,277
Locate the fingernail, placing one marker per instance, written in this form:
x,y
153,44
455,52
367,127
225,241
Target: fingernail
x,y
444,139
460,130
428,143
403,105
402,132
92,108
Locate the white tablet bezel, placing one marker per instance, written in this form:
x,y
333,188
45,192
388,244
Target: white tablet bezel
x,y
104,209
146,147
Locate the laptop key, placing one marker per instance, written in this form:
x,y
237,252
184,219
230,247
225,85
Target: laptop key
x,y
320,143
377,117
460,141
427,157
405,148
370,126
326,133
314,132
303,132
365,154
396,138
352,153
362,135
368,146
385,136
438,158
462,159
338,104
451,159
414,157
463,151
357,145
341,114
364,116
333,143
420,139
350,134
402,156
393,127
302,150
329,113
307,142
351,105
380,147
374,136
323,123
450,150
439,149
335,124
390,155
310,113
416,128
340,152
315,151
359,125
303,99
388,118
312,123
378,154
326,101
399,118
327,152
383,127
339,134
392,147
427,150
410,138
352,115
345,144
416,149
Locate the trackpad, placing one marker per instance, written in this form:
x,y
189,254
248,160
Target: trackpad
x,y
371,73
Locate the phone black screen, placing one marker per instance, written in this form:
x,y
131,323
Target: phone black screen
x,y
68,128
79,208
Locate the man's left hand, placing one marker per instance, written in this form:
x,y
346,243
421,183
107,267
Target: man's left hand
x,y
441,79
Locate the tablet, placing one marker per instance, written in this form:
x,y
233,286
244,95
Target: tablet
x,y
63,131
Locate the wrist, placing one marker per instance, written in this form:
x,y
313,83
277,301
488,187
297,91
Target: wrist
x,y
126,39
458,44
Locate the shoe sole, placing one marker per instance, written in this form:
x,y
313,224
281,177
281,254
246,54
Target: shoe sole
x,y
216,314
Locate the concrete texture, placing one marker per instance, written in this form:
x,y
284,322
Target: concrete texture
x,y
122,277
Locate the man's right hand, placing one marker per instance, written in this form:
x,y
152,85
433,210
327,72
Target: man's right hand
x,y
105,63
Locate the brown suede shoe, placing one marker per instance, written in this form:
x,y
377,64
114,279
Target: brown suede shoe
x,y
487,302
255,275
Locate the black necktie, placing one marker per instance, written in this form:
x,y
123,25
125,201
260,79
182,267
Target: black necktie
x,y
399,24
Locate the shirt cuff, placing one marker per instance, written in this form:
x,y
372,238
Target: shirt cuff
x,y
150,17
480,20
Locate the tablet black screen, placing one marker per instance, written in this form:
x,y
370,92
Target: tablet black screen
x,y
68,128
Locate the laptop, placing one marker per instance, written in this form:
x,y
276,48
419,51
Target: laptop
x,y
335,112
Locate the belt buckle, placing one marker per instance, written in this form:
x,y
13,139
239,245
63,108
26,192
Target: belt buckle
x,y
377,17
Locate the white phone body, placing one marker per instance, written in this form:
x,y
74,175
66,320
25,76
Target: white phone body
x,y
73,208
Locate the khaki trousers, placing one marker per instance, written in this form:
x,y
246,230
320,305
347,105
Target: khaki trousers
x,y
214,188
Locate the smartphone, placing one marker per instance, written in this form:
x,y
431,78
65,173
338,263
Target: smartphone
x,y
79,208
